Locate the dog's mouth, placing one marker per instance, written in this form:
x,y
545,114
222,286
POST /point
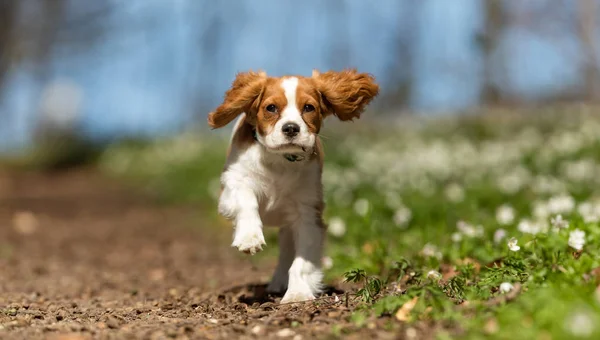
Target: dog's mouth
x,y
295,146
290,148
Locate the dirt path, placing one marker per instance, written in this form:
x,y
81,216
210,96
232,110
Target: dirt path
x,y
82,257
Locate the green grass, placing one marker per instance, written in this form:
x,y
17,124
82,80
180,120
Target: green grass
x,y
422,211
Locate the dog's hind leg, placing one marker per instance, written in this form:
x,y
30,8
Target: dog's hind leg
x,y
305,275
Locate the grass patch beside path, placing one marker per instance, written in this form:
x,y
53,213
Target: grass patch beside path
x,y
481,225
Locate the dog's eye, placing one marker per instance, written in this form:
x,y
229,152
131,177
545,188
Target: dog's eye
x,y
308,108
272,108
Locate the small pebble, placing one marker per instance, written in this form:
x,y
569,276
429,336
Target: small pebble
x,y
112,323
256,329
286,332
25,222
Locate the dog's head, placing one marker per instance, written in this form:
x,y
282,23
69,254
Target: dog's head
x,y
287,112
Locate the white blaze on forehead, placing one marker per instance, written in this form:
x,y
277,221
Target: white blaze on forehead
x,y
290,113
289,87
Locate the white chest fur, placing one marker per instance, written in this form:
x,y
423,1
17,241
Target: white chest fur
x,y
280,186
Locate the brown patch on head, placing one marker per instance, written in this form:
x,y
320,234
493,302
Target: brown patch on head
x,y
309,104
243,96
273,102
345,94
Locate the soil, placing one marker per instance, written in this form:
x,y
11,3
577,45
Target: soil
x,y
85,257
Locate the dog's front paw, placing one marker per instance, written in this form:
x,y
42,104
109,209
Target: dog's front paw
x,y
297,296
249,239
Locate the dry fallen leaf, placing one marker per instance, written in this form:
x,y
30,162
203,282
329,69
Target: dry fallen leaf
x,y
448,272
596,274
404,311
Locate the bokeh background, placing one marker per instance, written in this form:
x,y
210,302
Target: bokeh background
x,y
466,201
112,69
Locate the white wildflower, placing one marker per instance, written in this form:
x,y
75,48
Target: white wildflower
x,y
577,239
456,237
558,222
434,275
361,207
506,287
580,170
455,193
469,230
499,235
512,244
580,324
529,227
513,181
547,185
561,204
327,262
429,250
505,214
402,216
541,210
336,227
589,212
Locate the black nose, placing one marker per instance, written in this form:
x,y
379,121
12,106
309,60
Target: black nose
x,y
290,129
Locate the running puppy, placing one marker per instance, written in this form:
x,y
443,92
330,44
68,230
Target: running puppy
x,y
272,175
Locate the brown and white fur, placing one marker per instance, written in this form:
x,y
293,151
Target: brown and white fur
x,y
272,176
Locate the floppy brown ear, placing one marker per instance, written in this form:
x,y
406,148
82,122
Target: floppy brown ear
x,y
345,94
243,96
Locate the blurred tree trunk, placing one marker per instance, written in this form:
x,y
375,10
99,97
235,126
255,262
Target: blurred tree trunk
x,y
396,97
587,33
494,23
8,11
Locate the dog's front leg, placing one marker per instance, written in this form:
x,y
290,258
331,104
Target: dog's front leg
x,y
239,203
287,254
305,275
